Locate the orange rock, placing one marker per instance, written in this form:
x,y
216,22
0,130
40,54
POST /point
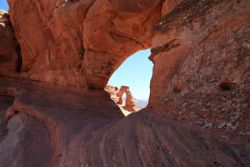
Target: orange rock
x,y
80,43
129,102
117,96
199,102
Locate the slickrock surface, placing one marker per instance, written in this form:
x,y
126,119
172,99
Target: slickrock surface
x,y
87,129
56,57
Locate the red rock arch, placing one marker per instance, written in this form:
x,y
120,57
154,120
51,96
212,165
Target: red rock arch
x,y
83,42
129,102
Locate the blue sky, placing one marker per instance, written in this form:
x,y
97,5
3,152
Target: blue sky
x,y
4,5
135,72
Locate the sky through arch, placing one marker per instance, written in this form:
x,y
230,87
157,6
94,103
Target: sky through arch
x,y
135,72
4,5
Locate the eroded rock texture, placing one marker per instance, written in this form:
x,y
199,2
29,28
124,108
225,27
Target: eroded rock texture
x,y
200,51
202,59
87,129
80,43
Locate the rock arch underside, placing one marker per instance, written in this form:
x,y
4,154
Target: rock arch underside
x,y
56,57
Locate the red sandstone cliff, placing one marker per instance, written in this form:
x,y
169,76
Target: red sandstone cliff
x,y
57,56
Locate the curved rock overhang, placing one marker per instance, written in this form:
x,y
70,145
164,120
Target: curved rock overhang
x,y
80,43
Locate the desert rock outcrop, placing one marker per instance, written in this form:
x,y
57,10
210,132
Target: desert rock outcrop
x,y
62,42
198,115
129,102
201,56
88,129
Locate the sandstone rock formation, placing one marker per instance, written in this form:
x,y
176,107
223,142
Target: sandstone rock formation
x,y
87,129
198,115
129,102
62,42
201,56
117,96
113,91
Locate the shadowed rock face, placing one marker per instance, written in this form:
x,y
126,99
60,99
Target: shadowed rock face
x,y
10,56
5,102
198,114
88,129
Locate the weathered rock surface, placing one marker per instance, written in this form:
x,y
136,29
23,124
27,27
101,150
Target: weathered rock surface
x,y
168,6
87,129
5,102
80,43
27,143
201,76
201,56
113,91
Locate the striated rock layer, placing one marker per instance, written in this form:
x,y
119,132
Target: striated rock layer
x,y
198,114
87,129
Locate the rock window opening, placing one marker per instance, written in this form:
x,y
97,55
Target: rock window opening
x,y
129,85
